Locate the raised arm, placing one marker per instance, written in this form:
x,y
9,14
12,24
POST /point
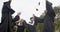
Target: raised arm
x,y
16,17
38,20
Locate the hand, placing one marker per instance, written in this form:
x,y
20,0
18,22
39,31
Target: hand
x,y
19,13
33,15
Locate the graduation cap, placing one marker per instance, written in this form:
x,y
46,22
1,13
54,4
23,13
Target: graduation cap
x,y
36,9
39,3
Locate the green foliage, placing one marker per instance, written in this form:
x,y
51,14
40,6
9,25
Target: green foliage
x,y
42,16
39,27
57,25
57,20
57,9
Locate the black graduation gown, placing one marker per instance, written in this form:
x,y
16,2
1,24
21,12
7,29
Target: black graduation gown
x,y
38,20
15,19
21,28
6,24
49,18
32,28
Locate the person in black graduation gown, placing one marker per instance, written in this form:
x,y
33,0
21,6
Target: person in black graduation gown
x,y
49,18
31,26
14,21
21,26
6,21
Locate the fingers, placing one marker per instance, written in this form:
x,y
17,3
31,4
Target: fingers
x,y
33,14
19,13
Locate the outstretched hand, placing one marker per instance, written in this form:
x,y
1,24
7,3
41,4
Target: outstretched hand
x,y
19,13
33,15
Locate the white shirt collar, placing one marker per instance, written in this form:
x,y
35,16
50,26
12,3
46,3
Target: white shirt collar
x,y
19,24
32,23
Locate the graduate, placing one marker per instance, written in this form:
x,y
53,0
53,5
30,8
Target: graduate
x,y
6,22
49,18
14,26
20,25
31,26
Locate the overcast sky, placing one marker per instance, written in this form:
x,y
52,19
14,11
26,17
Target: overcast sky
x,y
28,7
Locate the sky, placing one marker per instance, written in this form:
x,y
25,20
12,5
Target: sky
x,y
28,7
